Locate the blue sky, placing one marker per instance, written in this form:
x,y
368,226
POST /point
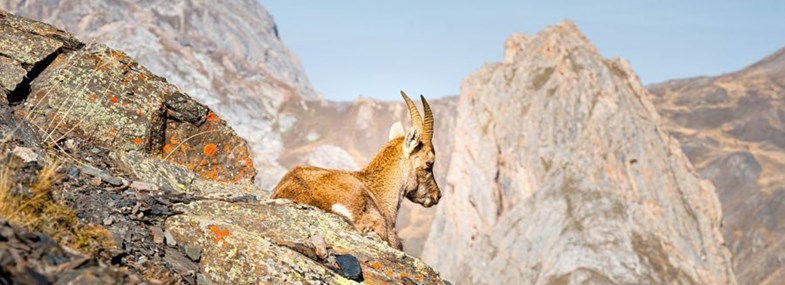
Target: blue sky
x,y
375,48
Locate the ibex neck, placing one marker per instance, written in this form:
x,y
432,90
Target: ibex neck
x,y
384,176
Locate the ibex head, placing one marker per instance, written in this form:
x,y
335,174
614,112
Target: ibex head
x,y
418,156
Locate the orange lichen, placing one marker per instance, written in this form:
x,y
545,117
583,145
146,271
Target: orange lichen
x,y
118,55
168,148
210,149
220,234
173,140
113,99
139,111
137,141
404,275
113,132
212,117
375,265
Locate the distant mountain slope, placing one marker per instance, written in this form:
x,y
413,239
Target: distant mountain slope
x,y
227,54
732,127
560,174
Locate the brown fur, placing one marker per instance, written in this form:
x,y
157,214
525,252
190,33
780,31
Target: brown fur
x,y
402,168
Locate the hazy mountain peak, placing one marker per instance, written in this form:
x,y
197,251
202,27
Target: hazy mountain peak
x,y
559,168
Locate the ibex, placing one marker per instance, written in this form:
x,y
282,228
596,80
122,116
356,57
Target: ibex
x,y
369,199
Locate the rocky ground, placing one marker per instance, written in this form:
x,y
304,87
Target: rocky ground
x,y
34,258
138,182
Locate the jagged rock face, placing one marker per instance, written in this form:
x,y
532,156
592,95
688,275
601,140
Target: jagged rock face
x,y
228,56
347,135
560,174
732,129
163,175
106,98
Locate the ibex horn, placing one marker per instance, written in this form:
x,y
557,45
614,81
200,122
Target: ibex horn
x,y
427,132
413,113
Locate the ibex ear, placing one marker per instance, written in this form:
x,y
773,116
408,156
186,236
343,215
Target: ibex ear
x,y
410,141
396,131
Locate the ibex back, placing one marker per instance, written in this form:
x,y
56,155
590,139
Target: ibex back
x,y
370,198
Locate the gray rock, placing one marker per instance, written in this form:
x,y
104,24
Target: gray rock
x,y
194,252
92,171
157,233
26,154
144,186
179,263
102,175
170,239
350,267
114,181
74,171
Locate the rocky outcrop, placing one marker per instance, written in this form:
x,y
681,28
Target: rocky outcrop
x,y
228,56
232,235
560,174
125,153
731,128
253,81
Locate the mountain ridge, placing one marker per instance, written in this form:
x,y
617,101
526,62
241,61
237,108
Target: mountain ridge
x,y
731,128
